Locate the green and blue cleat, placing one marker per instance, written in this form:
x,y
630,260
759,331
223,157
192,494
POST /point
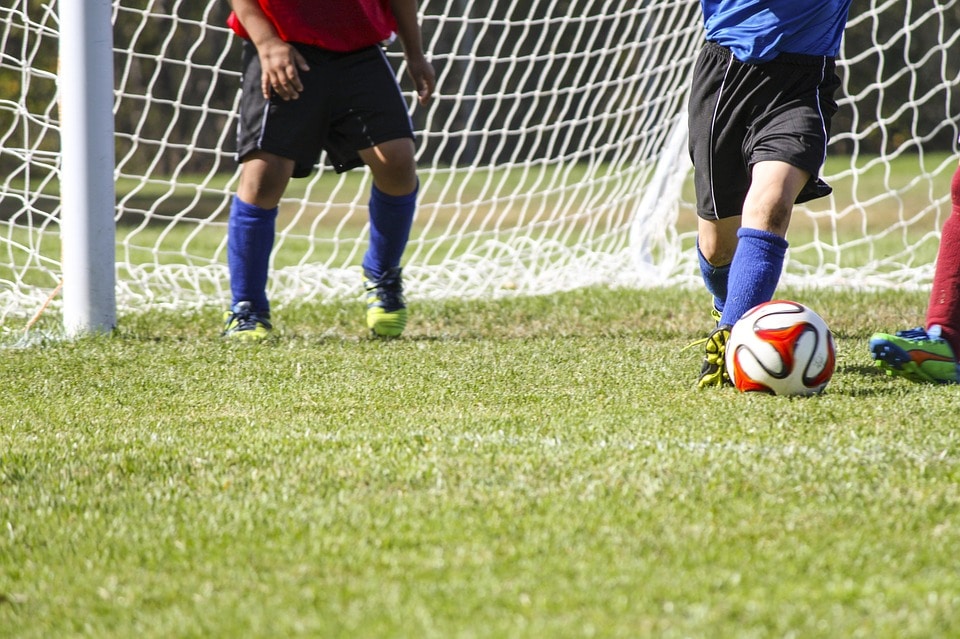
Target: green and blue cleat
x,y
243,324
386,310
917,355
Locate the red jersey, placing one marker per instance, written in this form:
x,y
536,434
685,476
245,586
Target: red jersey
x,y
335,25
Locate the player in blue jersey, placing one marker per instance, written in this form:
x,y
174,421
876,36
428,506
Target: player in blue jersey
x,y
759,121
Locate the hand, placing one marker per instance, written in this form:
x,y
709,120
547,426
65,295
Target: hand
x,y
281,64
424,79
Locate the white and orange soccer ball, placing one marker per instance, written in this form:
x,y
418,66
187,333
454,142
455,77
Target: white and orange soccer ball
x,y
781,347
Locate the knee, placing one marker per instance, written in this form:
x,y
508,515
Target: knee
x,y
263,179
396,183
717,240
716,252
772,215
394,166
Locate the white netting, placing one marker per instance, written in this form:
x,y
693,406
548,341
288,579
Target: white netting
x,y
553,156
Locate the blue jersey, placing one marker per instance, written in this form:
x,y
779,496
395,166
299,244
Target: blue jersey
x,y
759,30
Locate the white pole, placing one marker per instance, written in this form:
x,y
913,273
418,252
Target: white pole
x,y
87,197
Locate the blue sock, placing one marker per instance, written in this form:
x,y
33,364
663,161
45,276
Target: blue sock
x,y
391,217
250,232
754,272
715,278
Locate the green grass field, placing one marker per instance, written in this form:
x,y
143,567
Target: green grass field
x,y
535,467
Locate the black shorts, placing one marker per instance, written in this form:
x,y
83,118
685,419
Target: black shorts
x,y
350,101
741,114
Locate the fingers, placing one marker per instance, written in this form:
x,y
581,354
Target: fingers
x,y
286,83
424,93
281,73
424,79
286,87
425,87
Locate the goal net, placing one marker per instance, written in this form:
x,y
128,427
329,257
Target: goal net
x,y
552,157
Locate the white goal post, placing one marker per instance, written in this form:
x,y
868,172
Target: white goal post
x,y
86,160
553,157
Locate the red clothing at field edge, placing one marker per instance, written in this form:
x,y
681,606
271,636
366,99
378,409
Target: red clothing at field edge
x,y
337,25
944,308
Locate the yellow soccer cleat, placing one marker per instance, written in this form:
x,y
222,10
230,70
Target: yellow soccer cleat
x,y
386,311
713,372
243,324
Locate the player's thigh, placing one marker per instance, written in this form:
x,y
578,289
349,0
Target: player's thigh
x,y
393,165
371,123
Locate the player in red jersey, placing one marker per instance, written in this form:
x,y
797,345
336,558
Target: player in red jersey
x,y
315,78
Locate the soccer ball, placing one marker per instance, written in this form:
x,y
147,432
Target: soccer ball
x,y
780,347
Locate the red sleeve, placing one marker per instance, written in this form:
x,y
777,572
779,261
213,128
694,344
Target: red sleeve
x,y
234,23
